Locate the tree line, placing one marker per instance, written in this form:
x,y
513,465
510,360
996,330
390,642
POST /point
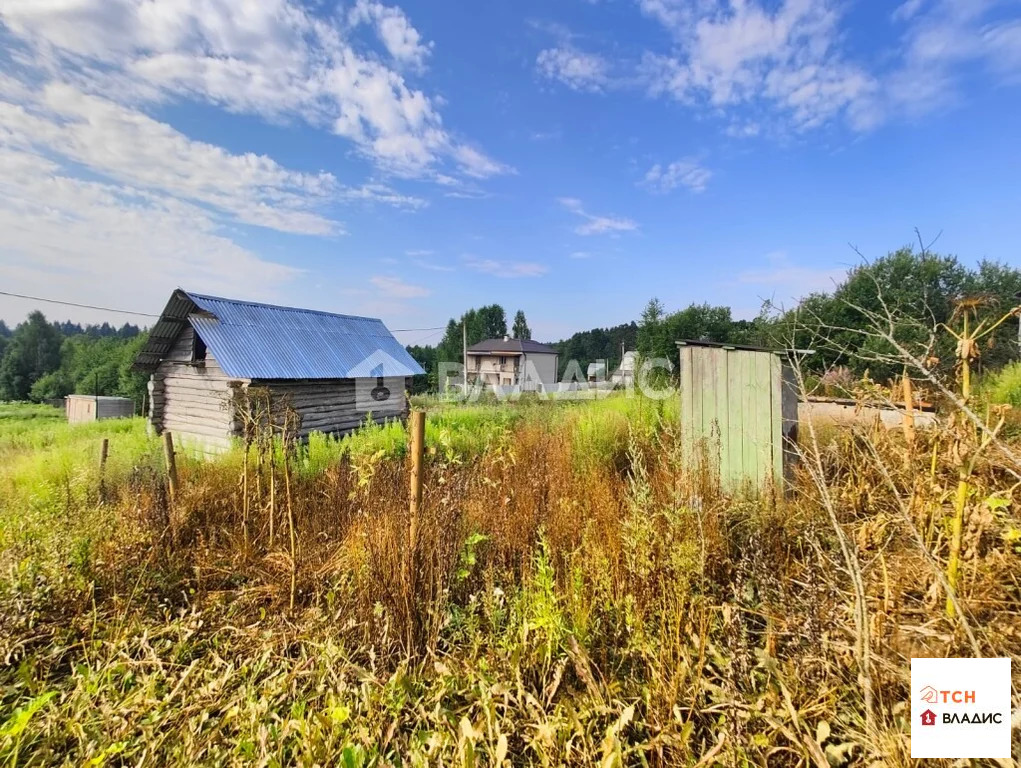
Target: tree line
x,y
914,291
41,360
917,289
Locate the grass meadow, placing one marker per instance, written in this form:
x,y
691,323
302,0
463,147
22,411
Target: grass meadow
x,y
575,595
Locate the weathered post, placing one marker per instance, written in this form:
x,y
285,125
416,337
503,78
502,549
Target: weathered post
x,y
416,446
103,452
168,453
417,450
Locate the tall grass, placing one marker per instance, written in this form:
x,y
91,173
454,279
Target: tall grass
x,y
579,599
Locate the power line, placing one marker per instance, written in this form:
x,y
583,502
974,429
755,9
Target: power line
x,y
149,314
74,304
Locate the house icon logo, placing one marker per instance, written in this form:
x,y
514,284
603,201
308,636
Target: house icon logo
x,y
928,717
928,694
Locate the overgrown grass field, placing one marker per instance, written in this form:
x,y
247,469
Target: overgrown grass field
x,y
573,594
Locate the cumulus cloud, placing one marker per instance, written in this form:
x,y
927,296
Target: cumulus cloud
x,y
575,69
688,173
788,62
59,233
274,59
596,225
395,31
133,149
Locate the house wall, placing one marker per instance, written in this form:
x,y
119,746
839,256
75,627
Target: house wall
x,y
488,369
337,406
191,400
543,367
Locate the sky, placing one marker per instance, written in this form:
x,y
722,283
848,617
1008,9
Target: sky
x,y
570,158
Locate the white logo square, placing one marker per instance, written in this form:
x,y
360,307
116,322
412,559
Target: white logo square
x,y
960,708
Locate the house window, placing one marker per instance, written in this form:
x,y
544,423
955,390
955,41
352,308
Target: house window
x,y
198,349
503,360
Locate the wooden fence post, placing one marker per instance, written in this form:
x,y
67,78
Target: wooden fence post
x,y
416,446
104,450
168,454
417,450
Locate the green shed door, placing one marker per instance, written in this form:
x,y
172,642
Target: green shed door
x,y
732,414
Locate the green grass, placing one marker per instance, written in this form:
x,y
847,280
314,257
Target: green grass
x,y
1004,386
49,510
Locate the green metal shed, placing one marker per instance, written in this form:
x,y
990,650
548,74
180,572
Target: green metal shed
x,y
739,414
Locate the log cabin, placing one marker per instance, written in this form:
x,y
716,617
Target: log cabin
x,y
334,371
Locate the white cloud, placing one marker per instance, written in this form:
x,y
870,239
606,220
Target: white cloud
x,y
730,54
575,69
689,173
395,287
60,233
744,130
271,58
419,252
128,147
596,225
579,255
506,269
786,64
938,45
395,31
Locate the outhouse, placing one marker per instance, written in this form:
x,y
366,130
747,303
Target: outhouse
x,y
739,414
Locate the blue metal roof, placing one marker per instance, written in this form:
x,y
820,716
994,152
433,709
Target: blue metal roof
x,y
262,341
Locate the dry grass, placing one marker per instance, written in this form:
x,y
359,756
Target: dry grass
x,y
580,599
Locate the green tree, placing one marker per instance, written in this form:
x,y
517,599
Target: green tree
x,y
597,344
918,290
521,329
1001,286
33,351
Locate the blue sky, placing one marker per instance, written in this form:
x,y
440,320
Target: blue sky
x,y
570,158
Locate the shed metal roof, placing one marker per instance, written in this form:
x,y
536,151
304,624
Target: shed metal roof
x,y
262,341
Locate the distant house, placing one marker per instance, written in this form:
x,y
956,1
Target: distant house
x,y
511,362
82,408
333,370
596,372
624,376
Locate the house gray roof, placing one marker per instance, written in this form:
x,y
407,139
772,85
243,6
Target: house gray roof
x,y
262,341
511,347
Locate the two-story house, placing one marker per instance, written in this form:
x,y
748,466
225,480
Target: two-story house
x,y
511,362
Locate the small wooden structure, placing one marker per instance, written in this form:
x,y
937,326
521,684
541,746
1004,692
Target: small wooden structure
x,y
333,370
739,413
84,408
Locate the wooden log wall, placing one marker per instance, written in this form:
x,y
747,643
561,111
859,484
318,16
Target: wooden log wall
x,y
192,401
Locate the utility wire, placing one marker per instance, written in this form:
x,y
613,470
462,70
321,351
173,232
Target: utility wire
x,y
149,314
73,304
